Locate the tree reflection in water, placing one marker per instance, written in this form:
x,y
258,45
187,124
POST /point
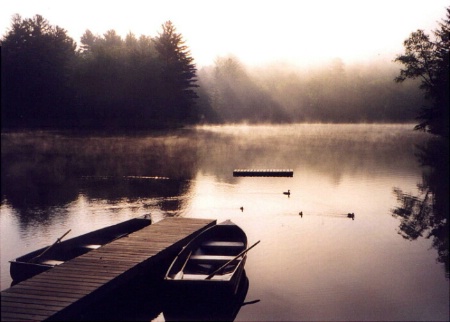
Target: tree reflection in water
x,y
427,213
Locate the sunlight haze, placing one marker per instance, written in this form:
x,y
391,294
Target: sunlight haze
x,y
300,32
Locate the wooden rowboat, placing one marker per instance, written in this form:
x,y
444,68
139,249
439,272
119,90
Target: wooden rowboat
x,y
214,259
43,259
213,307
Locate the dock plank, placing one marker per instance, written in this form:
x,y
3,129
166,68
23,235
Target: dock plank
x,y
44,289
23,295
263,173
13,316
48,292
34,306
67,278
25,310
63,291
71,284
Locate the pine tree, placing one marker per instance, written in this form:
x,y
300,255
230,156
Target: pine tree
x,y
37,59
178,76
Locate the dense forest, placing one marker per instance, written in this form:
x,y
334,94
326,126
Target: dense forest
x,y
110,82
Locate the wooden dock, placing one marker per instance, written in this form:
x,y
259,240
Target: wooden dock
x,y
263,173
67,289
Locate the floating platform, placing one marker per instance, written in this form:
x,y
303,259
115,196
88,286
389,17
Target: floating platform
x,y
67,289
263,173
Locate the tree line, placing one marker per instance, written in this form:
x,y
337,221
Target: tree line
x,y
146,82
108,82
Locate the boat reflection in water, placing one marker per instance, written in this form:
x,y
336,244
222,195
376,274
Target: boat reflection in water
x,y
207,306
149,301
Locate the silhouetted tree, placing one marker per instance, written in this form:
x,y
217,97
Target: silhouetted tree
x,y
117,80
109,82
36,68
177,76
428,60
100,77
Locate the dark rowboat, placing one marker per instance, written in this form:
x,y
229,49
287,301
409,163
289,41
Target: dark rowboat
x,y
213,307
210,261
43,259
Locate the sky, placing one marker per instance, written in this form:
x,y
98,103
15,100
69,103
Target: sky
x,y
255,31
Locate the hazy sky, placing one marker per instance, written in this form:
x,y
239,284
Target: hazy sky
x,y
256,31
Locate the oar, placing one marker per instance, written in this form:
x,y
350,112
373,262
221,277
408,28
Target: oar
x,y
250,302
48,248
179,275
231,260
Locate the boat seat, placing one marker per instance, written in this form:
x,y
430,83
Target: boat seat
x,y
223,244
51,262
210,258
201,277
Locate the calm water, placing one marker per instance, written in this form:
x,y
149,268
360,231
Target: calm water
x,y
322,266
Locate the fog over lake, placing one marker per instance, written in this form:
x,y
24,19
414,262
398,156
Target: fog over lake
x,y
319,266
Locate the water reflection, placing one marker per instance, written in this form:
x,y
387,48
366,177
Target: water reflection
x,y
209,307
144,299
141,299
426,213
43,173
317,265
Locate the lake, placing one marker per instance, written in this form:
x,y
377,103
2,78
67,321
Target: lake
x,y
322,265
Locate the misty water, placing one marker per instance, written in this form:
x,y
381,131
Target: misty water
x,y
319,266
